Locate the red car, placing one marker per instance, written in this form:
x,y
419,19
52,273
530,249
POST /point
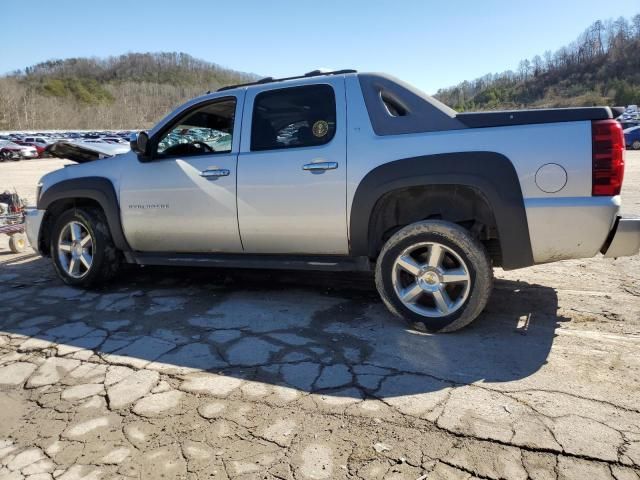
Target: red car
x,y
12,151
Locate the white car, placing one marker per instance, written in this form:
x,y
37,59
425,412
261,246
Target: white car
x,y
39,141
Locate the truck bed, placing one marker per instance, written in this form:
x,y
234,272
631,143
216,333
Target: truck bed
x,y
396,108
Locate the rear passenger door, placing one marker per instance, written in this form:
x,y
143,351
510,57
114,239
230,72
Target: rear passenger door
x,y
292,169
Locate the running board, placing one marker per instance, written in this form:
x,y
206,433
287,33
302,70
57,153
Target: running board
x,y
336,263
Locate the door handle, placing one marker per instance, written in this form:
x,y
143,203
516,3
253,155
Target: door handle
x,y
314,167
212,174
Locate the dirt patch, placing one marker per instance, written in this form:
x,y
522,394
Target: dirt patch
x,y
199,374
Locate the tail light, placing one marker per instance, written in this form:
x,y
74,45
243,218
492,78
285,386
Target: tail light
x,y
608,158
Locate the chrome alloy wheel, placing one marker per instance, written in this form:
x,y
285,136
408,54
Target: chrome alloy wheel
x,y
431,279
75,249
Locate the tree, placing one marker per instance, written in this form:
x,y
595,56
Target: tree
x,y
635,25
128,91
548,60
537,64
602,66
524,68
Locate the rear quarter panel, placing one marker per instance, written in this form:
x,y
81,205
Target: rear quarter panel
x,y
556,221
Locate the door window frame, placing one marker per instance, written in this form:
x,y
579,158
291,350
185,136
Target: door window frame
x,y
273,91
175,120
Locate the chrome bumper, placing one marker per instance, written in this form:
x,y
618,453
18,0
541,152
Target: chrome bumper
x,y
624,239
33,220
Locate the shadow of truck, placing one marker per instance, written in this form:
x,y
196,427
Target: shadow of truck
x,y
314,332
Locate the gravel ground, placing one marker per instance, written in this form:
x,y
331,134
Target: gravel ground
x,y
184,373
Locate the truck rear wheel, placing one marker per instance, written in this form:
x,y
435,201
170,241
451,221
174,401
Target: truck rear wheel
x,y
82,249
435,275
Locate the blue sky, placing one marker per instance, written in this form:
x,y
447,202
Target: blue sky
x,y
430,44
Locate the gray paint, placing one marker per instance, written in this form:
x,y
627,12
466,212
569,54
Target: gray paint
x,y
98,189
424,113
556,221
489,173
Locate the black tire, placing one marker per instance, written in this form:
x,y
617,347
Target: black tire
x,y
464,245
636,145
106,258
18,242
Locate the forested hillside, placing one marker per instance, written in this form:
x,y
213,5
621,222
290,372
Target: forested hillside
x,y
602,67
129,91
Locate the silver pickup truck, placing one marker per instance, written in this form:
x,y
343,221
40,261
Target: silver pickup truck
x,y
345,171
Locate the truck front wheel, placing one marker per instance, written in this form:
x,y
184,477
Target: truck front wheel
x,y
434,274
82,250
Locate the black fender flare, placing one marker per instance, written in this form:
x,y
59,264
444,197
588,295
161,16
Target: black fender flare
x,y
490,173
100,190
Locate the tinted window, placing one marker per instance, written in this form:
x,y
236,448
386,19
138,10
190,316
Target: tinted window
x,y
206,130
293,117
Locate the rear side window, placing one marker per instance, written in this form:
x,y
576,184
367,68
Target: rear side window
x,y
293,117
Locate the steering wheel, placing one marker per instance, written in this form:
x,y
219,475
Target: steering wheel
x,y
203,146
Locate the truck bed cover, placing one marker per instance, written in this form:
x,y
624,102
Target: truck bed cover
x,y
528,117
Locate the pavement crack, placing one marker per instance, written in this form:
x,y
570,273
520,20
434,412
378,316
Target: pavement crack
x,y
474,473
508,444
568,394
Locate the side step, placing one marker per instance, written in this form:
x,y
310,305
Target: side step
x,y
335,263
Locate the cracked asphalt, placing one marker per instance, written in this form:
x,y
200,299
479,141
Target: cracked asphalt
x,y
217,374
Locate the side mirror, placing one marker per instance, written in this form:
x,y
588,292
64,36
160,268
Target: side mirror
x,y
139,143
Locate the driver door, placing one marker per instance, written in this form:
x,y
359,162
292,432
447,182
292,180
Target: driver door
x,y
184,198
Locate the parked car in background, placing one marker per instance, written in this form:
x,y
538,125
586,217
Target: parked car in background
x,y
632,137
630,113
12,151
40,149
40,141
629,124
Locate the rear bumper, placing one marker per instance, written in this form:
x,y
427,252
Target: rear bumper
x,y
33,220
624,238
569,228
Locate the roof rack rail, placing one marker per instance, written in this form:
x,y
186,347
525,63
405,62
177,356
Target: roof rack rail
x,y
314,73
